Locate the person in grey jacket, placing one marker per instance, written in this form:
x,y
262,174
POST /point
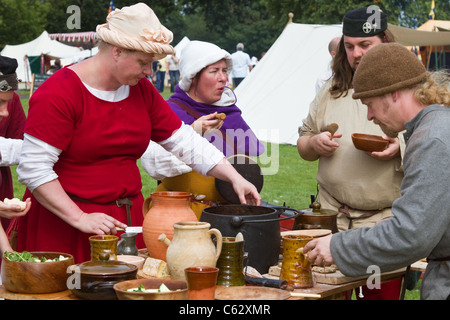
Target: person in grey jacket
x,y
401,95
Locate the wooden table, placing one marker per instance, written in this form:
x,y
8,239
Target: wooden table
x,y
63,295
329,291
319,291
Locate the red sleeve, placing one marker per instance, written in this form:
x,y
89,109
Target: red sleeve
x,y
12,126
52,115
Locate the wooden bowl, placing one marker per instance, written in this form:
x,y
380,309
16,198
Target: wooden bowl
x,y
369,142
36,277
179,289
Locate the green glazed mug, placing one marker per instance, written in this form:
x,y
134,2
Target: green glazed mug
x,y
231,263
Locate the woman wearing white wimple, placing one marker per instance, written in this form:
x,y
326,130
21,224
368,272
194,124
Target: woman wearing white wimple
x,y
201,95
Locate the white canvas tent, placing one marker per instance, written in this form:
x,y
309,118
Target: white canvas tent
x,y
429,34
41,45
275,96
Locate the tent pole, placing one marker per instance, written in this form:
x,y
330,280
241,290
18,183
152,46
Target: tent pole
x,y
436,58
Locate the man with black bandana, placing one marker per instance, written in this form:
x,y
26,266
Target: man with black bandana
x,y
9,148
360,186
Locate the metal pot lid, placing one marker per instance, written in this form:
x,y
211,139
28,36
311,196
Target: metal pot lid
x,y
316,210
106,266
319,212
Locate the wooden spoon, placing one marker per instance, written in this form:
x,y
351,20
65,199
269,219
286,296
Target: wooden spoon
x,y
332,128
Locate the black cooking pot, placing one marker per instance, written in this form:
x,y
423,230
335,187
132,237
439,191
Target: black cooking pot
x,y
260,227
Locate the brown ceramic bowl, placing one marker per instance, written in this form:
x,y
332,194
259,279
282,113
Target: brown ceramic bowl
x,y
179,289
36,277
369,142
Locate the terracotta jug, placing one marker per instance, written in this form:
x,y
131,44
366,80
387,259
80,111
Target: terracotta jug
x,y
191,246
166,209
295,267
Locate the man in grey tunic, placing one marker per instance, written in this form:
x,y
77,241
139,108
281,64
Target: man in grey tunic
x,y
401,94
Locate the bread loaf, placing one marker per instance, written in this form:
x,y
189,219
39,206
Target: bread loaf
x,y
155,268
16,201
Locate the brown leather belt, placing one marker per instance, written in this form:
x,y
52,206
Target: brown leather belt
x,y
119,202
345,210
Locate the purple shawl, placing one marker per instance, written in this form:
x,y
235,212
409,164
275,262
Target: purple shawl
x,y
241,139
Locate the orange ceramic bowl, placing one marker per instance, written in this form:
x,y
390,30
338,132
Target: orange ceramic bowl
x,y
368,142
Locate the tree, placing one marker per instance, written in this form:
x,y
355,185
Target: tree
x,y
407,13
233,21
21,20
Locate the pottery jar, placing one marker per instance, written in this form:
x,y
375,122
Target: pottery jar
x,y
161,210
231,263
295,267
95,280
191,246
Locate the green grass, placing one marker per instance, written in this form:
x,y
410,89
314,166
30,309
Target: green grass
x,y
292,184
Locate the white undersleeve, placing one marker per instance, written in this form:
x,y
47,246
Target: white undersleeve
x,y
194,150
36,162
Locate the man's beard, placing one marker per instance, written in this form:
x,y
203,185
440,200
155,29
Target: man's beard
x,y
387,131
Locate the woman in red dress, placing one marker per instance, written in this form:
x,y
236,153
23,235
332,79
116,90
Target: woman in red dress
x,y
87,126
11,127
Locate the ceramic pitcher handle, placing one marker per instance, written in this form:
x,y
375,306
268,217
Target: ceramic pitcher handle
x,y
146,205
218,235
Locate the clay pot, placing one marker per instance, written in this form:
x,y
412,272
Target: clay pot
x,y
316,218
167,208
191,246
94,280
201,282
